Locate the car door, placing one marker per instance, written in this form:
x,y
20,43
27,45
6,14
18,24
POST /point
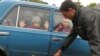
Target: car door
x,y
61,29
28,36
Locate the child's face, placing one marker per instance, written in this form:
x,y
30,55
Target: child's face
x,y
65,23
22,24
36,24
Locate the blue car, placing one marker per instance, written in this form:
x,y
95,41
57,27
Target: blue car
x,y
27,29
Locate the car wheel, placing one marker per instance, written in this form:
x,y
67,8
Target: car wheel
x,y
1,54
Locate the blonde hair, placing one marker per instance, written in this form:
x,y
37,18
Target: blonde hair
x,y
36,18
69,21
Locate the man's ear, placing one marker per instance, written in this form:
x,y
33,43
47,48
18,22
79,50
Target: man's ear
x,y
71,10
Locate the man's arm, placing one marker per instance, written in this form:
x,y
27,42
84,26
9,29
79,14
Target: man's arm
x,y
71,37
67,42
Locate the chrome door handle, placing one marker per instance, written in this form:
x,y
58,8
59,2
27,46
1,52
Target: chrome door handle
x,y
4,33
56,39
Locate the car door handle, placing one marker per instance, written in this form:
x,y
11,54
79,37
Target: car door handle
x,y
56,39
4,33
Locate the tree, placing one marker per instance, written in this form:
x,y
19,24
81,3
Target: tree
x,y
78,4
92,5
39,1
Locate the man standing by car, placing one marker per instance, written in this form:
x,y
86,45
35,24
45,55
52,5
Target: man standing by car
x,y
85,23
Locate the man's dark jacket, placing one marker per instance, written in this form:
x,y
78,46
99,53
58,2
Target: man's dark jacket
x,y
86,23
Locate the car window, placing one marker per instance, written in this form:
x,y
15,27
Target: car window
x,y
61,24
10,20
33,18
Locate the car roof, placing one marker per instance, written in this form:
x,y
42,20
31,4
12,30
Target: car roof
x,y
6,5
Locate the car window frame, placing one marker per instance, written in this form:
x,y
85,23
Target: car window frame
x,y
26,5
38,7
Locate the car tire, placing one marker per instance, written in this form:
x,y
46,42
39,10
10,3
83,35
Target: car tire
x,y
1,54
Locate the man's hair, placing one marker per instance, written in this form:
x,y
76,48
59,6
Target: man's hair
x,y
67,4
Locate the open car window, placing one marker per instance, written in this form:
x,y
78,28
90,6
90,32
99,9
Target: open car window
x,y
61,24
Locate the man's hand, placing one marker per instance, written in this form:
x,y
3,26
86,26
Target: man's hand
x,y
58,53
